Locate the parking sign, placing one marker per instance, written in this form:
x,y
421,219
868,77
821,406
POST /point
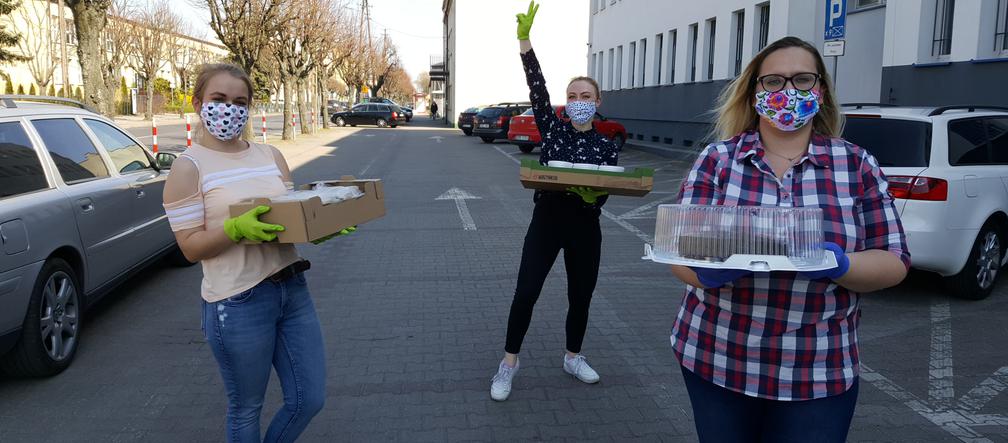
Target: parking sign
x,y
836,19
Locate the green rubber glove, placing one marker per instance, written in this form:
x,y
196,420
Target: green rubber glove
x,y
248,226
346,231
589,195
525,21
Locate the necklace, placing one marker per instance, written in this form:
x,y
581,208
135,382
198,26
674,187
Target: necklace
x,y
789,159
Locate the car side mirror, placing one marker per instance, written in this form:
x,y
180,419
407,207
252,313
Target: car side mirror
x,y
165,160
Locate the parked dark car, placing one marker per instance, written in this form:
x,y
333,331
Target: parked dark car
x,y
407,112
467,119
492,122
378,114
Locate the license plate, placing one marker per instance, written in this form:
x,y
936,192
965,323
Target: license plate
x,y
466,126
484,125
523,138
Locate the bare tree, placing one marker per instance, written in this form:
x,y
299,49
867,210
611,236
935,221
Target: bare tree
x,y
39,47
294,46
182,55
245,27
384,58
423,82
90,18
118,37
155,25
335,48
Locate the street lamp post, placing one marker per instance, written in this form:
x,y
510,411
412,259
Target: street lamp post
x,y
63,52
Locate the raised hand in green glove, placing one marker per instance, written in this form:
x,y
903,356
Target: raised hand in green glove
x,y
248,226
346,231
525,21
589,195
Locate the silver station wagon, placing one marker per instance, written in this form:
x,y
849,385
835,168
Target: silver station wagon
x,y
80,211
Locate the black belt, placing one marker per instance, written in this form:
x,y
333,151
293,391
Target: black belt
x,y
290,271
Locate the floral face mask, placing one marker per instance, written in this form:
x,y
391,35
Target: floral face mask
x,y
581,112
787,109
224,120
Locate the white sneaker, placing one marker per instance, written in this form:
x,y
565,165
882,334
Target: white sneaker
x,y
500,386
578,367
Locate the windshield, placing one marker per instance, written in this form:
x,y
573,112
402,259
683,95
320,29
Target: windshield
x,y
894,143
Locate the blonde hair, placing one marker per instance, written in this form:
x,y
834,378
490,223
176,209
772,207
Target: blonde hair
x,y
591,81
208,71
736,112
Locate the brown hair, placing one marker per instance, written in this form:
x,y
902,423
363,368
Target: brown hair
x,y
736,112
208,71
591,81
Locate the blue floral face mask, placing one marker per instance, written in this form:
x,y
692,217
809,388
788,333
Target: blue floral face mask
x,y
581,112
788,109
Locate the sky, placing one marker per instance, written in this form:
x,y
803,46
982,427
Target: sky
x,y
415,26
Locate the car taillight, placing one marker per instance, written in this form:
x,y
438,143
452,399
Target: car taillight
x,y
501,121
918,188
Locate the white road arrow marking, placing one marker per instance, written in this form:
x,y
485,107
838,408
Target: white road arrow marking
x,y
437,138
460,197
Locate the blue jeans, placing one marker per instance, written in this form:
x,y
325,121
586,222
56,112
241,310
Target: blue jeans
x,y
273,324
722,415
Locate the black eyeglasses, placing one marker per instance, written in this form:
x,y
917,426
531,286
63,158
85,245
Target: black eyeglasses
x,y
803,81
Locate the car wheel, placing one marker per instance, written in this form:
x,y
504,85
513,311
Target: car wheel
x,y
382,123
467,133
620,141
49,338
340,122
525,149
977,278
178,259
487,139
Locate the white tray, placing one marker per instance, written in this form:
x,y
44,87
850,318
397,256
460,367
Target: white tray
x,y
755,263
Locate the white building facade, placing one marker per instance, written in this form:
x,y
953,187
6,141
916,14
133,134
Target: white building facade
x,y
481,55
662,63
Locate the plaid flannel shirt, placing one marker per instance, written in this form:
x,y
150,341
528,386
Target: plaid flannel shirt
x,y
779,335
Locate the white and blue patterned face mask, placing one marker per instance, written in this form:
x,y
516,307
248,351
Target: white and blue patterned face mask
x,y
580,112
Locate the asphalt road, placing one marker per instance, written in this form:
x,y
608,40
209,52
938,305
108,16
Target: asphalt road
x,y
414,307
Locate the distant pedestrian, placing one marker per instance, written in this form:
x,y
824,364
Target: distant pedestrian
x,y
433,110
257,311
773,356
561,220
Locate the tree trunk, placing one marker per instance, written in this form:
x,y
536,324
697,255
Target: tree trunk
x,y
302,109
89,19
324,100
288,94
149,112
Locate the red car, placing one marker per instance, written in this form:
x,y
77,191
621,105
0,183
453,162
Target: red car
x,y
524,133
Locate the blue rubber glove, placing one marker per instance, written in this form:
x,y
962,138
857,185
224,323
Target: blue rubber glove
x,y
716,278
843,264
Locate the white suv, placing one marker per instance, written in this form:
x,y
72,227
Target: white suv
x,y
948,169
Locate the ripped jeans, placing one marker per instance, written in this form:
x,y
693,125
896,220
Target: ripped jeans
x,y
271,325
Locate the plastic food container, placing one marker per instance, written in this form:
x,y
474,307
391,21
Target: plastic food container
x,y
608,168
559,164
586,166
740,237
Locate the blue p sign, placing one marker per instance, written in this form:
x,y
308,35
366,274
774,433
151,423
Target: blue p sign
x,y
836,19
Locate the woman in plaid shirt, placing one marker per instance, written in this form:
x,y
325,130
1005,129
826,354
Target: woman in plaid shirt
x,y
773,356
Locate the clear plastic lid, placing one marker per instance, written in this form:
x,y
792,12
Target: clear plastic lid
x,y
714,234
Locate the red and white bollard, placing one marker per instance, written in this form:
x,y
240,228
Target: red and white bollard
x,y
154,134
264,126
294,125
188,132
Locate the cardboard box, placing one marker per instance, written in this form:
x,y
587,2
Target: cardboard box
x,y
309,220
637,182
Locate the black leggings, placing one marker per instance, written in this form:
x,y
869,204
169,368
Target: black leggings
x,y
559,221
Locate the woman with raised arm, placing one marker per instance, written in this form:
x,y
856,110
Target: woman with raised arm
x,y
561,220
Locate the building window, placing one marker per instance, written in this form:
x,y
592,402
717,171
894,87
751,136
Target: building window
x,y
659,52
693,48
594,63
609,78
642,68
1001,32
602,5
739,39
711,39
763,37
941,44
673,36
619,67
862,4
598,69
632,61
